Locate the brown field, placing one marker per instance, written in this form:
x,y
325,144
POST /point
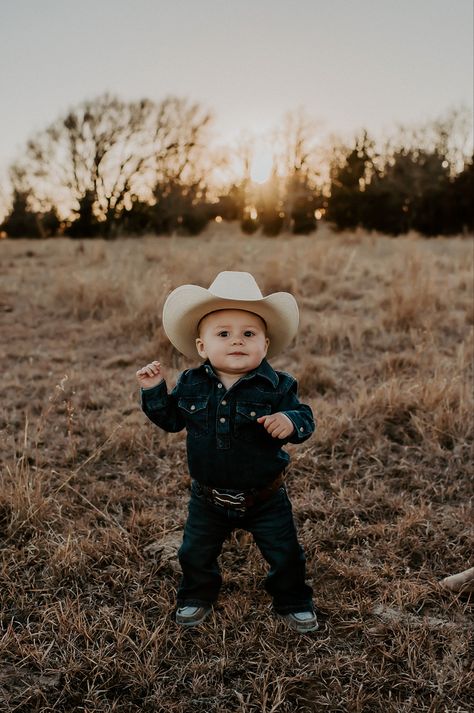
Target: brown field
x,y
93,496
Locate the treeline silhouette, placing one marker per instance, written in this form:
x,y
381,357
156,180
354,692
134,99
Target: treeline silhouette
x,y
110,168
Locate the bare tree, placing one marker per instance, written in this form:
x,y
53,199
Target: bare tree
x,y
449,136
112,151
298,162
183,169
298,141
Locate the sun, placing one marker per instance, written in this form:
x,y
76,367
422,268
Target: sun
x,y
262,164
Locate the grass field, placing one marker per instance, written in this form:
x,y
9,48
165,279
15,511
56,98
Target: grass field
x,y
93,496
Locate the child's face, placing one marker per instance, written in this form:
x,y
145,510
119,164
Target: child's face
x,y
233,340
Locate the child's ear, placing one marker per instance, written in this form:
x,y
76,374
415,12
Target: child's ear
x,y
267,344
200,348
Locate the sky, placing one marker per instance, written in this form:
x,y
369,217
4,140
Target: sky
x,y
349,64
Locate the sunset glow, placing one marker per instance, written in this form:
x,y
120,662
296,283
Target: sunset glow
x,y
262,165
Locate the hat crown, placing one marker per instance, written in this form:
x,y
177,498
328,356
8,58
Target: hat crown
x,y
232,285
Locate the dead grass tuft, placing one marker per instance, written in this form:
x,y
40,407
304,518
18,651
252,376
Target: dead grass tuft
x,y
314,377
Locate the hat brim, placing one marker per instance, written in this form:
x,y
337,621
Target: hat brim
x,y
188,304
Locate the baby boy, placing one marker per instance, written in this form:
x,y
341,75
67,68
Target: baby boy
x,y
238,412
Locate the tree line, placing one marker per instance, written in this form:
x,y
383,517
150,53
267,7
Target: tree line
x,y
109,167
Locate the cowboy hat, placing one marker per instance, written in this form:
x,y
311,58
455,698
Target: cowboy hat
x,y
187,305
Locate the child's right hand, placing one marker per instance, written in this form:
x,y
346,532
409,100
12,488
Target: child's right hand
x,y
150,375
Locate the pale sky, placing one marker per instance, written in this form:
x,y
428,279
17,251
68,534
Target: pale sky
x,y
349,63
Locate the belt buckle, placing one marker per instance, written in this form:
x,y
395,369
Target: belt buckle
x,y
236,502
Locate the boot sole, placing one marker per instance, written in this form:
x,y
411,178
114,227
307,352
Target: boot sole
x,y
192,622
300,629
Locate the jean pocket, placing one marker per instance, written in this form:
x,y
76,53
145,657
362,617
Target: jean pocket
x,y
196,415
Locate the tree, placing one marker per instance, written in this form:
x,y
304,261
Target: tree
x,y
298,164
408,194
105,153
269,205
459,203
137,219
351,170
21,221
419,184
179,207
231,204
449,135
86,224
49,223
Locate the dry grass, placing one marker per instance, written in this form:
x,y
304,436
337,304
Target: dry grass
x,y
93,496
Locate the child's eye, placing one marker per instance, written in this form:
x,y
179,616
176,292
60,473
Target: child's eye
x,y
224,333
249,333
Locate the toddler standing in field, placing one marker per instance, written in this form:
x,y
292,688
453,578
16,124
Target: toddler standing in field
x,y
238,412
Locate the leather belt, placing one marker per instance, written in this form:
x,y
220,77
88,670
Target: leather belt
x,y
245,499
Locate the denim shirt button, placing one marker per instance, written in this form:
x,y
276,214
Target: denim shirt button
x,y
224,403
219,386
222,420
252,413
301,428
193,407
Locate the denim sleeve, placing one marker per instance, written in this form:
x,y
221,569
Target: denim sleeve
x,y
299,414
162,408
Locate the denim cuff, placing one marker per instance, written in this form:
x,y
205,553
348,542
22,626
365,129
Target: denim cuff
x,y
301,432
193,603
154,398
295,608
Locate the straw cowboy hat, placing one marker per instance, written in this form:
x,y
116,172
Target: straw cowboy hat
x,y
188,304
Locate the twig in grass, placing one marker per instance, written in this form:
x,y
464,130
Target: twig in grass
x,y
460,582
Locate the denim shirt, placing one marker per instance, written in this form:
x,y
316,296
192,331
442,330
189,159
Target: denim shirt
x,y
226,446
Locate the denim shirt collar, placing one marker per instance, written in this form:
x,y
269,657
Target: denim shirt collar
x,y
264,369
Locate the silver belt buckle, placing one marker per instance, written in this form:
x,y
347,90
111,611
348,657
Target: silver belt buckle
x,y
236,502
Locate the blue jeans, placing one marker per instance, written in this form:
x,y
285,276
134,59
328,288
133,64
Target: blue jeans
x,y
272,526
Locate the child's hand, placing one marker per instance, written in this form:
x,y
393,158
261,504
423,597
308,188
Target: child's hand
x,y
277,424
150,375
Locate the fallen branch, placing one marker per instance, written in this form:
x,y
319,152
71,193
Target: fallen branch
x,y
463,581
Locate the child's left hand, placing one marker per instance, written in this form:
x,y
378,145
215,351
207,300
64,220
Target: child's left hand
x,y
277,424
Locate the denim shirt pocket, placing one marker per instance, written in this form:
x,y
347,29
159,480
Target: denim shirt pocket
x,y
196,415
246,426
